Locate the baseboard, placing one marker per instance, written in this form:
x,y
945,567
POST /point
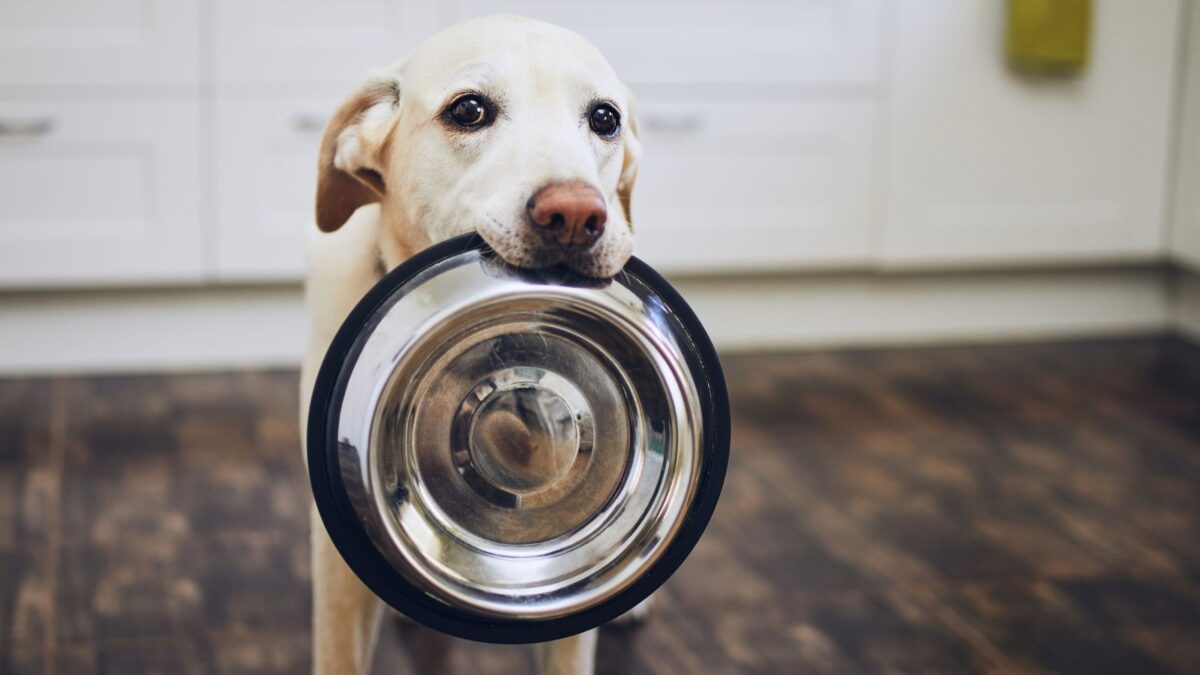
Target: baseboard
x,y
216,328
168,329
867,310
1186,310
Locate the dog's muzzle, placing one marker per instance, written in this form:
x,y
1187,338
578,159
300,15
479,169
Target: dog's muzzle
x,y
516,456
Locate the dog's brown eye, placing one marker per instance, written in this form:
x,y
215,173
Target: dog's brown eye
x,y
604,120
468,111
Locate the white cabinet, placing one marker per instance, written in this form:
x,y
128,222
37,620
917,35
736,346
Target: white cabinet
x,y
99,193
49,42
1185,230
778,134
985,166
264,176
331,41
721,41
750,185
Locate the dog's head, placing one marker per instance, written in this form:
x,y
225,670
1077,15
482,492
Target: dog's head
x,y
513,128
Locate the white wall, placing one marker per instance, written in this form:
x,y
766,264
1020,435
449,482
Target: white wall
x,y
1185,235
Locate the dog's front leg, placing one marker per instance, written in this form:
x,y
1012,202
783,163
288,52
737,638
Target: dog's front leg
x,y
345,613
575,655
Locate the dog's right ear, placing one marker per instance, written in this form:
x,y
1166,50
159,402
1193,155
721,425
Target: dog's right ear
x,y
350,167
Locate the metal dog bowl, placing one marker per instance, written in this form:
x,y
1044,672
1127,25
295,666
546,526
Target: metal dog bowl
x,y
516,456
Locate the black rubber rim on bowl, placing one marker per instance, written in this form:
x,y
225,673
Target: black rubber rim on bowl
x,y
368,563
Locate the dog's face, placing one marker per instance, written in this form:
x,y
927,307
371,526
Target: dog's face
x,y
513,128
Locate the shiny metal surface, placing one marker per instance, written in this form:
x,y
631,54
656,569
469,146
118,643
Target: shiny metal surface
x,y
525,429
519,446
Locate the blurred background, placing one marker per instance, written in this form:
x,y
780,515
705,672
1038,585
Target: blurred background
x,y
949,249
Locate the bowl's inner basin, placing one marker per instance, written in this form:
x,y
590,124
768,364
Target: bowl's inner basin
x,y
509,447
517,446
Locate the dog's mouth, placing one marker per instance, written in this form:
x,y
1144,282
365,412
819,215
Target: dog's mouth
x,y
596,262
558,274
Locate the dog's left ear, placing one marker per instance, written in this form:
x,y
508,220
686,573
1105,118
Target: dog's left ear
x,y
633,156
350,167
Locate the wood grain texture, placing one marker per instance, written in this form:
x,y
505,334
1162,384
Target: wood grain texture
x,y
1026,508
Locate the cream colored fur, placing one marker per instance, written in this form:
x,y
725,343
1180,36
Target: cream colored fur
x,y
394,179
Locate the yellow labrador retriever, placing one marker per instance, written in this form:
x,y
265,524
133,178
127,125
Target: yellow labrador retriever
x,y
512,128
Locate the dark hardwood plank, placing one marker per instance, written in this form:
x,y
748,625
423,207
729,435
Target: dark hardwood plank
x,y
1031,508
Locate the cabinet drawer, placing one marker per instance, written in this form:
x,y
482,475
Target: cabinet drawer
x,y
281,41
763,41
44,42
99,193
265,174
754,185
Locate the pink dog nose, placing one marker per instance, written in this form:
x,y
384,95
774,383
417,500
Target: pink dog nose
x,y
572,214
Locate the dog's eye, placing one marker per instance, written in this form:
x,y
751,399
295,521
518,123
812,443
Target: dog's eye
x,y
469,111
604,120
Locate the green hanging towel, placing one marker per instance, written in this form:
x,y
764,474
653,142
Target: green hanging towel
x,y
1048,37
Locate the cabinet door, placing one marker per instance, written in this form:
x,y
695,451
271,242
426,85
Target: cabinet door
x,y
46,42
265,174
99,193
282,41
734,41
1185,231
987,166
753,185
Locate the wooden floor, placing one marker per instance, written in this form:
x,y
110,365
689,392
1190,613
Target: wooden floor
x,y
999,509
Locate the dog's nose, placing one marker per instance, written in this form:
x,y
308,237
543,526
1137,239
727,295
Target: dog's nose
x,y
572,214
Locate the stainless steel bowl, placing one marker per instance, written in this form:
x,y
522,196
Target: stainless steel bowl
x,y
516,456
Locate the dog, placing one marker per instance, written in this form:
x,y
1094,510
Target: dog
x,y
512,128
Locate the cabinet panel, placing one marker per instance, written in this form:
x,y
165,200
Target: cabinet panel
x,y
753,185
265,175
281,41
718,189
47,42
802,41
99,193
990,167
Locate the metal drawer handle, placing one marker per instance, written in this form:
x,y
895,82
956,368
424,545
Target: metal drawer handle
x,y
308,124
34,126
683,123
